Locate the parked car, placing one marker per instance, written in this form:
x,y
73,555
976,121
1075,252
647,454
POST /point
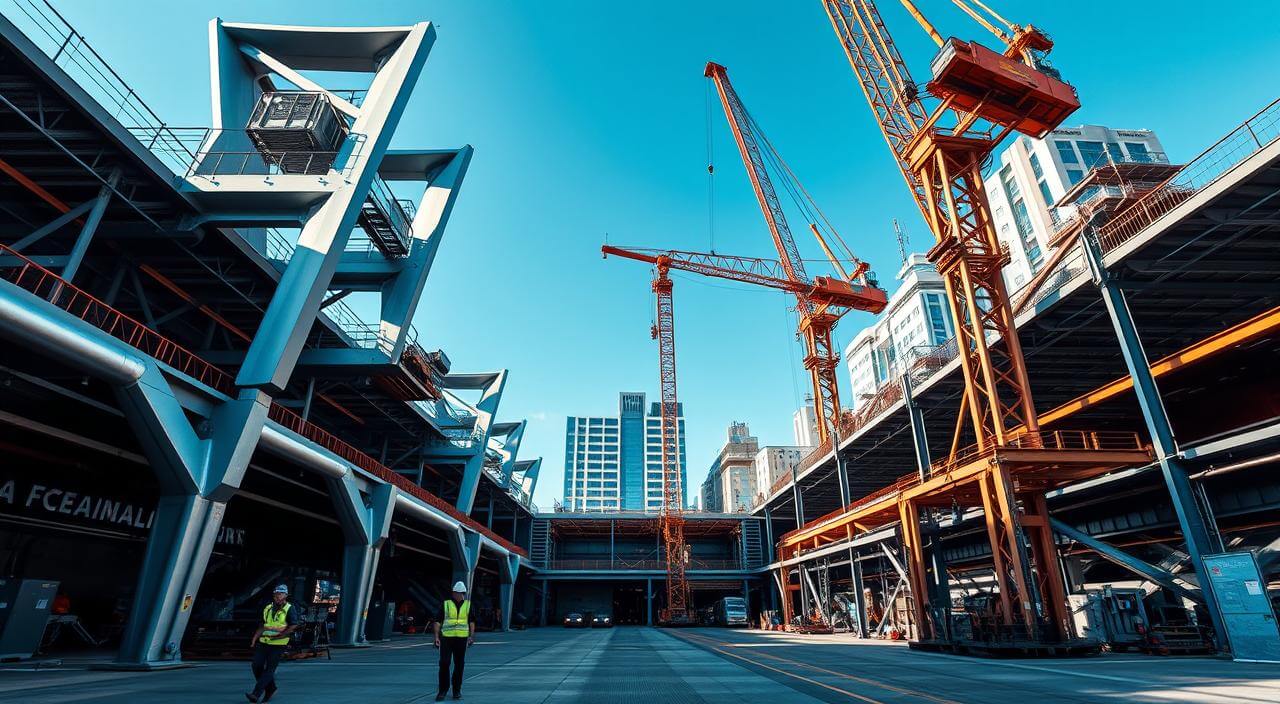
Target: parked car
x,y
601,621
576,620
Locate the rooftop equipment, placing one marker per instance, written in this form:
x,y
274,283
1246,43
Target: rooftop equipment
x,y
298,131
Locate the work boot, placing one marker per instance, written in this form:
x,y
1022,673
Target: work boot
x,y
457,695
252,697
271,692
440,697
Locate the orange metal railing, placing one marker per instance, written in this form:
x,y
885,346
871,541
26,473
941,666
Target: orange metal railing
x,y
1244,141
32,277
1051,440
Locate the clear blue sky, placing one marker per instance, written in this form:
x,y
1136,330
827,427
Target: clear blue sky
x,y
590,117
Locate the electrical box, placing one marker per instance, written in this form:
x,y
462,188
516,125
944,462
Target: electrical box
x,y
298,131
1000,89
24,612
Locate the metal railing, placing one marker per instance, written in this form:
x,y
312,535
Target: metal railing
x,y
69,50
641,564
1247,139
32,277
1042,440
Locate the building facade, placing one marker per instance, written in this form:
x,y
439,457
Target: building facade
x,y
615,463
916,320
775,461
1031,175
731,482
804,425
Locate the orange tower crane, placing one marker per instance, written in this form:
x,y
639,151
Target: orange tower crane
x,y
834,296
817,317
978,97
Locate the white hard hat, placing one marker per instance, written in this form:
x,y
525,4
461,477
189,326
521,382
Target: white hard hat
x,y
282,589
460,587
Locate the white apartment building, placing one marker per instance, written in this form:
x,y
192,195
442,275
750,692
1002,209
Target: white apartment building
x,y
1030,175
916,319
731,481
804,425
774,461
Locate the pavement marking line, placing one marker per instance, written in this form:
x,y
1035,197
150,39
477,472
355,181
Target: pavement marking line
x,y
1114,678
844,675
802,678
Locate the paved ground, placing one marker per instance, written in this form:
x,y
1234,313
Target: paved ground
x,y
650,666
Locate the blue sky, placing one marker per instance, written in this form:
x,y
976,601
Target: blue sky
x,y
590,118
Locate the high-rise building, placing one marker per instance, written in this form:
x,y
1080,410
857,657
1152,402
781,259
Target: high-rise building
x,y
916,320
615,463
1031,175
730,484
804,425
773,461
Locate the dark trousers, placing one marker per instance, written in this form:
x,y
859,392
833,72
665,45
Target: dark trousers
x,y
452,649
265,659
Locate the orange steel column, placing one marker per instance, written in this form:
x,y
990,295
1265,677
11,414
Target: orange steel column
x,y
991,513
1014,557
910,517
1053,592
784,579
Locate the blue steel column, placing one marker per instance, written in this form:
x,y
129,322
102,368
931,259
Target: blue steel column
x,y
919,440
508,572
1195,532
365,523
197,477
859,599
464,552
648,602
293,308
91,222
486,409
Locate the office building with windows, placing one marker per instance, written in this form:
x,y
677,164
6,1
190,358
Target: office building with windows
x,y
615,463
1031,175
731,483
804,425
773,462
916,320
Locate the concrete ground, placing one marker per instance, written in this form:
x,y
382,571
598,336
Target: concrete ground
x,y
650,666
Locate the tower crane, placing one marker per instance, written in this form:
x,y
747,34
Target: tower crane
x,y
834,296
817,317
976,98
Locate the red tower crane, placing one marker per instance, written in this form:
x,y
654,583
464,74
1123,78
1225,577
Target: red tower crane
x,y
977,97
817,317
830,295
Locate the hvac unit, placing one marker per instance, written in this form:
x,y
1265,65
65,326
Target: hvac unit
x,y
299,132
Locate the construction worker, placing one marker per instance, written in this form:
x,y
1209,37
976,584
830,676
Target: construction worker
x,y
279,620
455,629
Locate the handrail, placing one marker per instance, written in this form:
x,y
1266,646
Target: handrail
x,y
38,280
1247,139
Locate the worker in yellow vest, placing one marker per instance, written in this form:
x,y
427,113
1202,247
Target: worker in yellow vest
x,y
279,620
455,628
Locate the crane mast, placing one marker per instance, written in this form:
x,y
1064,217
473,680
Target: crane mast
x,y
671,517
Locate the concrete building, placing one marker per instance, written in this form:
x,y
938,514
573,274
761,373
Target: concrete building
x,y
615,463
804,425
731,481
916,320
774,461
1031,175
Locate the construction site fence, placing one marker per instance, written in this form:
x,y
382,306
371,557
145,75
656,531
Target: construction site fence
x,y
1247,139
29,276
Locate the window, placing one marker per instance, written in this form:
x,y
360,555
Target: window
x,y
1074,176
1092,153
937,318
1035,167
1040,181
1045,193
1113,151
1066,152
1138,151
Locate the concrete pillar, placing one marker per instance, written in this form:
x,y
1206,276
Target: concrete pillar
x,y
464,553
542,606
366,522
1195,529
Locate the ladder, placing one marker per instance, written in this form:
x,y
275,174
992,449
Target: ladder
x,y
752,546
540,548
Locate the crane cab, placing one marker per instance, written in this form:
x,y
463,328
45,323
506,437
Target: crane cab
x,y
1000,89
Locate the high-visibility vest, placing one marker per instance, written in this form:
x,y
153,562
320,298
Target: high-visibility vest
x,y
455,619
275,620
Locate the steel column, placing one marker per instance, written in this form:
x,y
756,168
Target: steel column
x,y
366,523
91,223
1196,532
920,440
859,597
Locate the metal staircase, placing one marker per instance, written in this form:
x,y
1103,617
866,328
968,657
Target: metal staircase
x,y
752,544
540,548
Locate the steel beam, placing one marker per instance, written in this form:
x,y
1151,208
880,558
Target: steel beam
x,y
91,222
1116,556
